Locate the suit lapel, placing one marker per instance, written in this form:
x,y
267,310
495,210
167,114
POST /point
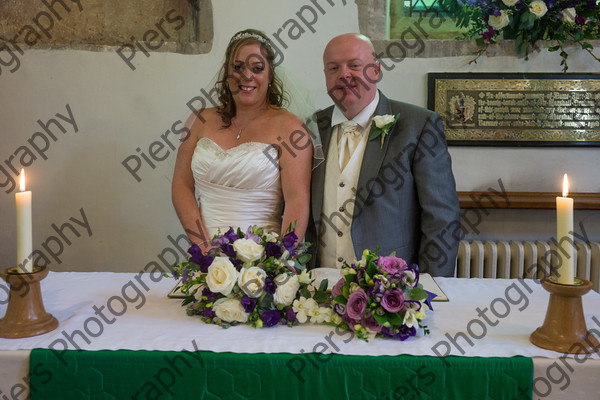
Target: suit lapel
x,y
318,178
374,153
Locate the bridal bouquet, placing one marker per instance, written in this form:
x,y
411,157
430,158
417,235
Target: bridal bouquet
x,y
380,296
528,22
253,277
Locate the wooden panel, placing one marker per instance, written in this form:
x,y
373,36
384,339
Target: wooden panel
x,y
530,200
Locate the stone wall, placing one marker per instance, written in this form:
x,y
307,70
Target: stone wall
x,y
161,25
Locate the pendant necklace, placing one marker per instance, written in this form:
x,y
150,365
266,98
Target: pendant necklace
x,y
239,134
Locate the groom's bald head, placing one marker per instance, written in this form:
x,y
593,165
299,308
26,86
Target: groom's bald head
x,y
351,72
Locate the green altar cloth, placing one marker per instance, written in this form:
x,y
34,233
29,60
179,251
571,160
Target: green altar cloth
x,y
126,374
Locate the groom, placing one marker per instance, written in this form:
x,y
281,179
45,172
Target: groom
x,y
395,191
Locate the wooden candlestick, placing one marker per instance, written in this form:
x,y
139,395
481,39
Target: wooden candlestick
x,y
25,313
564,327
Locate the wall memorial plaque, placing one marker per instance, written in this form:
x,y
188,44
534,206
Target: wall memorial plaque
x,y
514,109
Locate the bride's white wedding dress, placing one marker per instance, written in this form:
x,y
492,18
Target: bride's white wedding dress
x,y
238,187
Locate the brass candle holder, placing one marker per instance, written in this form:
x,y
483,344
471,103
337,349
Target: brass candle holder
x,y
564,329
25,313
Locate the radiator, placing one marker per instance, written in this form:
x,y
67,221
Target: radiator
x,y
518,259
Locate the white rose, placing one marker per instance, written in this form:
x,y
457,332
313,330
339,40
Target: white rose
x,y
230,310
287,287
303,307
499,21
383,120
538,8
510,3
252,281
221,276
569,14
248,250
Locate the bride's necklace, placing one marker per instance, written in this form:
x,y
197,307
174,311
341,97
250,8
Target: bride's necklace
x,y
240,130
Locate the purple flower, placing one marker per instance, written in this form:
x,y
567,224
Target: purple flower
x,y
339,309
250,235
393,300
231,236
270,318
290,315
391,265
210,296
184,276
580,19
387,331
337,289
591,4
351,322
489,34
248,304
405,332
208,313
238,264
228,250
289,241
270,286
360,273
357,303
197,257
369,322
273,250
377,289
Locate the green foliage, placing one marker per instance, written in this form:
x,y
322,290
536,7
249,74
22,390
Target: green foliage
x,y
564,21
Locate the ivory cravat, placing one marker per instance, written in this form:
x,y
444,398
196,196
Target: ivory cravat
x,y
351,135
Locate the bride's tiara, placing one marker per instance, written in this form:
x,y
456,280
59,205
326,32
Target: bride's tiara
x,y
244,35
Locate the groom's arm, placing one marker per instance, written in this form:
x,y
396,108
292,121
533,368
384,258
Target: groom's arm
x,y
440,225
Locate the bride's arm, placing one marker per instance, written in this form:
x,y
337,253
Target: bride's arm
x,y
296,166
183,195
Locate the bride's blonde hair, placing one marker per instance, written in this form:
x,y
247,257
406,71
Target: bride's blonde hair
x,y
275,94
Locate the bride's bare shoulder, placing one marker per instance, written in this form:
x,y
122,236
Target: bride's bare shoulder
x,y
282,118
204,120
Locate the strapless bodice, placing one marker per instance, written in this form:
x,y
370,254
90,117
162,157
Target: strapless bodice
x,y
238,187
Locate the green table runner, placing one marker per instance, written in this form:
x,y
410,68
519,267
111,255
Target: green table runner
x,y
126,374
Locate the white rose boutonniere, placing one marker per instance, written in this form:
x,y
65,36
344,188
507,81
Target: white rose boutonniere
x,y
381,126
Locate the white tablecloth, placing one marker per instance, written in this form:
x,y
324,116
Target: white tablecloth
x,y
91,307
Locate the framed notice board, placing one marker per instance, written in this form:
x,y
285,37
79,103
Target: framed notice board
x,y
517,109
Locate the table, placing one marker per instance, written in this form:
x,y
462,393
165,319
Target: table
x,y
484,318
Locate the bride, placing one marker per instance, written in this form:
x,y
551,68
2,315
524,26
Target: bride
x,y
231,158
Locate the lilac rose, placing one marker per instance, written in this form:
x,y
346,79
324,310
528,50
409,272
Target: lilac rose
x,y
391,265
357,303
337,288
393,300
369,322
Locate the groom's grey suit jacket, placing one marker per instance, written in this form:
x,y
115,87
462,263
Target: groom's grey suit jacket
x,y
406,196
